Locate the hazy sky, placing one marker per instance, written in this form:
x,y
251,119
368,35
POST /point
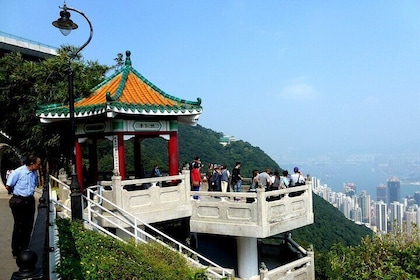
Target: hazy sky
x,y
288,76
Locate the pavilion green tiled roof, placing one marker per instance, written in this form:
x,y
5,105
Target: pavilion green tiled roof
x,y
126,92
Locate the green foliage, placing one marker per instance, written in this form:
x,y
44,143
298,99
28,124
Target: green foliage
x,y
199,141
330,227
390,256
89,255
24,85
203,142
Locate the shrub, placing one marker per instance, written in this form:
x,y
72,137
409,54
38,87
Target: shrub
x,y
90,255
389,256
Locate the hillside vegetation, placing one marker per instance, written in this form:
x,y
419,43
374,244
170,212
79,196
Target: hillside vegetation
x,y
193,141
330,227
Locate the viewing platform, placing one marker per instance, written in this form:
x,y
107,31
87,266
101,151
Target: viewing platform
x,y
245,216
257,214
252,214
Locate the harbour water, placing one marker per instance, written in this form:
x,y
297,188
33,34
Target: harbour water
x,y
365,174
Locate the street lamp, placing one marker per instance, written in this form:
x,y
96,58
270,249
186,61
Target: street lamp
x,y
66,25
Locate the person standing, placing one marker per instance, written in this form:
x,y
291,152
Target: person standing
x,y
284,179
155,173
209,175
217,179
265,179
224,179
237,178
22,183
195,176
296,179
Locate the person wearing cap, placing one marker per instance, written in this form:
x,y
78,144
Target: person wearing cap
x,y
297,179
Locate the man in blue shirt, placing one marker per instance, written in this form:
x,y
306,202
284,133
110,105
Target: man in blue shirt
x,y
22,183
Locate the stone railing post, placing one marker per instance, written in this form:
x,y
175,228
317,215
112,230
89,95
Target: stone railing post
x,y
262,207
187,183
263,271
117,189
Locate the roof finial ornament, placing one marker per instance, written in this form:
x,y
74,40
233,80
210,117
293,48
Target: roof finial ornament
x,y
128,58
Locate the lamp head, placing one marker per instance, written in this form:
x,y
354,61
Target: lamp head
x,y
64,23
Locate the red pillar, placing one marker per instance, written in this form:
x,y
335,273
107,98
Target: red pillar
x,y
173,153
79,164
121,156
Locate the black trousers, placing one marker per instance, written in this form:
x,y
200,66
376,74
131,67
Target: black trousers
x,y
23,210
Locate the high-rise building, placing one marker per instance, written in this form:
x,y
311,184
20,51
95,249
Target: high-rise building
x,y
364,203
346,206
356,215
393,190
411,219
396,215
417,197
381,216
381,193
418,217
349,189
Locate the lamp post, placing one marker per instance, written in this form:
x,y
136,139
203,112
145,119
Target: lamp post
x,y
66,25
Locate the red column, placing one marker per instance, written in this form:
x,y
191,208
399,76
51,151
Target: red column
x,y
173,153
121,155
79,164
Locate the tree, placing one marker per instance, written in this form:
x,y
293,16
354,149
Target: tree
x,y
389,256
24,85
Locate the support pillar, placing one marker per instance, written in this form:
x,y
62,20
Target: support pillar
x,y
247,252
121,156
173,153
79,164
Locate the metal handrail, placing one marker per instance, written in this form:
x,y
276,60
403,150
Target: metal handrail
x,y
139,234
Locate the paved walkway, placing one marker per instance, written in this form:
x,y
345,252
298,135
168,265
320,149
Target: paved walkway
x,y
7,262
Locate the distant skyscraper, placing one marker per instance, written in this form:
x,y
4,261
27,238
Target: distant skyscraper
x,y
418,217
356,214
349,189
393,190
411,219
346,206
417,197
381,216
381,193
364,202
396,215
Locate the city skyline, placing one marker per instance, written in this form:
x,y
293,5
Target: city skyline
x,y
389,212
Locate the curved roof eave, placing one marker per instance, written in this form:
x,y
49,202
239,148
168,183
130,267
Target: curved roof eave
x,y
189,116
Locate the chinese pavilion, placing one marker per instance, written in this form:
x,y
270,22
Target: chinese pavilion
x,y
125,105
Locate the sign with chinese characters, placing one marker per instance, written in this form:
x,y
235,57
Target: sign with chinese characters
x,y
127,126
147,126
115,151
